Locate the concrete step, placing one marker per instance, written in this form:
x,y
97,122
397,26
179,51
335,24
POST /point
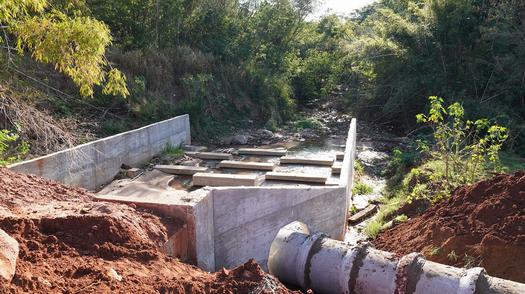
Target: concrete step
x,y
180,169
339,155
336,168
210,155
216,180
247,165
306,161
262,152
361,215
295,177
194,148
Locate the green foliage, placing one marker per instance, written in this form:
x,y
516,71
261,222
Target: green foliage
x,y
74,45
452,256
11,148
388,209
358,168
462,152
173,151
401,218
361,188
373,228
306,123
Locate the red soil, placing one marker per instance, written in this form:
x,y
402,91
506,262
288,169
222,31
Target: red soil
x,y
479,225
70,244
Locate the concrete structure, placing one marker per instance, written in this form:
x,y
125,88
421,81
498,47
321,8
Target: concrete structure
x,y
340,156
96,163
217,180
306,160
296,177
223,226
262,151
181,169
247,165
210,155
336,168
314,261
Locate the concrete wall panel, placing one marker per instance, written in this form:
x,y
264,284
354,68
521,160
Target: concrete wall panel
x,y
246,220
96,163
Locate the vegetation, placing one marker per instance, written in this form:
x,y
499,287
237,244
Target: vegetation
x,y
11,148
361,188
227,62
458,152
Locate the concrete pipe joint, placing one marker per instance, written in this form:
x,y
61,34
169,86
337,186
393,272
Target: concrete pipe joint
x,y
314,261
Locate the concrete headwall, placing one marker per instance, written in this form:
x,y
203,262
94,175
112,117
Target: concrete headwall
x,y
247,219
96,163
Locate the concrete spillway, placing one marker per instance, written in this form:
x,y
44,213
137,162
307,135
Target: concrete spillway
x,y
314,261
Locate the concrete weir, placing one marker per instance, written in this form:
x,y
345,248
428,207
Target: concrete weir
x,y
314,261
224,226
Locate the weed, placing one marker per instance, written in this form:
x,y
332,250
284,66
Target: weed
x,y
11,148
361,188
172,151
471,261
401,218
373,228
435,251
452,256
358,168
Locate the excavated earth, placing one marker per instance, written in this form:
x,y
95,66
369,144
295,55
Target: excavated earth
x,y
72,244
479,225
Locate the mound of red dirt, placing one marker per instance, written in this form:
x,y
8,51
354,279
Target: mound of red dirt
x,y
479,225
71,244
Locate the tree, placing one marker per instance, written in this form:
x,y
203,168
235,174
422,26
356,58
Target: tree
x,y
75,45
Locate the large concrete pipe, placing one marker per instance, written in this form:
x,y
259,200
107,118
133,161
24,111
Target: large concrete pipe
x,y
314,261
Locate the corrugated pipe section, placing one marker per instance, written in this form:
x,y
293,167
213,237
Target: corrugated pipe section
x,y
314,261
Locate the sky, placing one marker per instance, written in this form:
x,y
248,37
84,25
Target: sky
x,y
340,6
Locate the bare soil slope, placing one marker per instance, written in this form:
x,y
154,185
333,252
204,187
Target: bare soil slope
x,y
70,244
479,225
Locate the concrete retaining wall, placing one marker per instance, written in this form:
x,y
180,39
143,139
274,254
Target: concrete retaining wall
x,y
96,163
246,220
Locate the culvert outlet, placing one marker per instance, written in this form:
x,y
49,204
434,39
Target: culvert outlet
x,y
314,261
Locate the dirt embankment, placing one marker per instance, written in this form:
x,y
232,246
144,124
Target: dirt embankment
x,y
70,244
479,225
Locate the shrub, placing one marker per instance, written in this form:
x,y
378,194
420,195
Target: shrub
x,y
11,148
361,188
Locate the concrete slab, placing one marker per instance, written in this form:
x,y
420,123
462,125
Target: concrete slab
x,y
336,168
339,155
262,152
358,217
295,177
306,160
247,165
210,155
181,169
194,148
216,180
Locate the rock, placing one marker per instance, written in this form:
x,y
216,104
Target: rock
x,y
309,134
113,275
8,256
265,134
133,172
226,140
239,140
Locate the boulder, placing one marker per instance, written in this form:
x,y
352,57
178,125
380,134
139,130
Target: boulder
x,y
239,140
8,255
265,134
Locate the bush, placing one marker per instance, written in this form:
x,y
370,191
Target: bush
x,y
361,188
461,152
11,148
